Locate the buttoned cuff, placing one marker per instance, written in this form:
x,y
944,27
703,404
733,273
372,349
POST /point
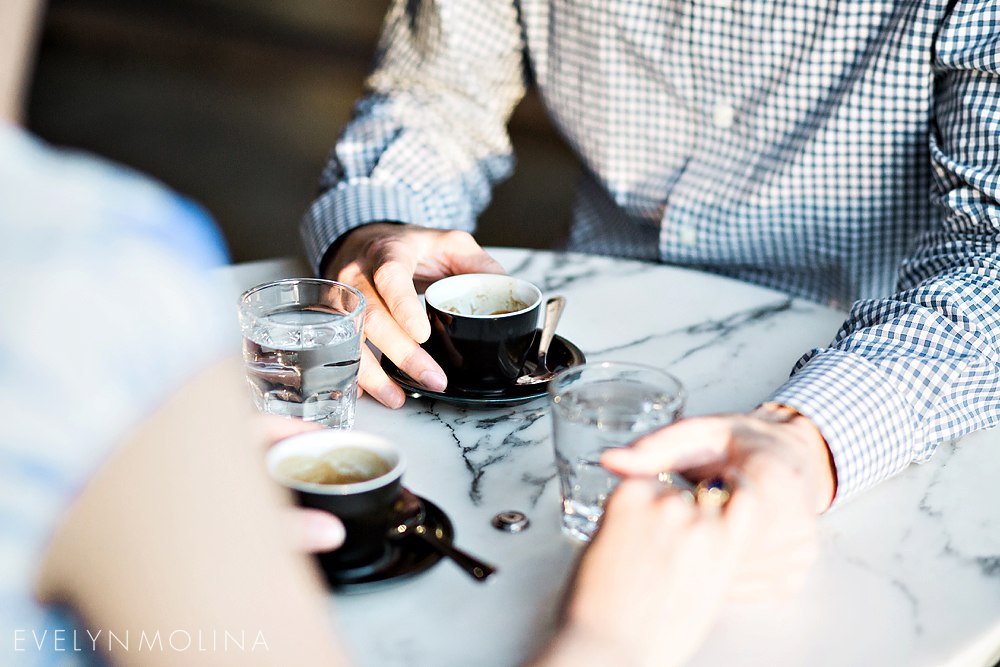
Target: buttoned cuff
x,y
867,423
349,206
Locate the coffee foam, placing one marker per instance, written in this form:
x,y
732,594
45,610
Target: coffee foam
x,y
484,303
340,465
482,295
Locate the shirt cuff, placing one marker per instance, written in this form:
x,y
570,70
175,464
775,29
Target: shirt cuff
x,y
347,207
867,424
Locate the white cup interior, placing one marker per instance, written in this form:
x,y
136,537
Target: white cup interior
x,y
317,443
482,295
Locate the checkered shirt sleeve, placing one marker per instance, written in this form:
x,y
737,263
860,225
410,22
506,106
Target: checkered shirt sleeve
x,y
923,365
429,141
844,152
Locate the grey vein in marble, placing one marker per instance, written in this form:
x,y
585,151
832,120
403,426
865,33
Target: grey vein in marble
x,y
487,438
719,330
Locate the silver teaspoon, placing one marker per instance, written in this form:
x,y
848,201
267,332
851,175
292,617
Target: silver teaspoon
x,y
553,311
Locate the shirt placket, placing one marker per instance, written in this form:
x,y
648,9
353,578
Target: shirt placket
x,y
714,96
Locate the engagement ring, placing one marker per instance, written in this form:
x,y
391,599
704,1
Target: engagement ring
x,y
713,492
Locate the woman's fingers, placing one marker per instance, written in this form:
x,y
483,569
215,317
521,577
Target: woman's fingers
x,y
689,443
775,574
315,531
278,428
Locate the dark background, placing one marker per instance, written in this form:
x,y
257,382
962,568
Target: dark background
x,y
237,102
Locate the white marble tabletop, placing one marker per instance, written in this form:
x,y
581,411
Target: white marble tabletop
x,y
909,573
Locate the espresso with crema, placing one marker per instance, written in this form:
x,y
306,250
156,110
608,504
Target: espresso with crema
x,y
341,465
479,303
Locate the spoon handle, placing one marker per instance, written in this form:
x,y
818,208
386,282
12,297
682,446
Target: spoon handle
x,y
472,565
553,311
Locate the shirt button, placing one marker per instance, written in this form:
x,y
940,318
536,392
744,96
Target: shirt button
x,y
723,115
687,235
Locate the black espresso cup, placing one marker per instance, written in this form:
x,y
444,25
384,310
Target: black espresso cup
x,y
356,476
482,326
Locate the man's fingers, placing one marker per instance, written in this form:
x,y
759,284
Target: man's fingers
x,y
393,279
465,255
480,262
382,329
396,288
409,357
372,379
389,260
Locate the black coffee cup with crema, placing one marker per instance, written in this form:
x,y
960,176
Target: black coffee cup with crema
x,y
482,326
356,476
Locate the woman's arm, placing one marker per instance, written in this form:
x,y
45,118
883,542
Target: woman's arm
x,y
181,531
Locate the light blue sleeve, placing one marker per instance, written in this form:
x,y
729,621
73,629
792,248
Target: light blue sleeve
x,y
106,308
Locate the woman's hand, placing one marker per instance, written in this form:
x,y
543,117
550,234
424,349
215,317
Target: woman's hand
x,y
650,586
785,460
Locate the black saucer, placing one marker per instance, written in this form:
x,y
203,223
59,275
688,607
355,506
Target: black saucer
x,y
404,558
562,354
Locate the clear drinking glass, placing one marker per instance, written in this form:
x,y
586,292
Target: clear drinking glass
x,y
596,406
302,348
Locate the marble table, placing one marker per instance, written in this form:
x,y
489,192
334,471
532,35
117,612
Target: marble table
x,y
909,573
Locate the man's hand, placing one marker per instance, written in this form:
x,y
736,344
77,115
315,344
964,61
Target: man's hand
x,y
780,454
388,262
649,587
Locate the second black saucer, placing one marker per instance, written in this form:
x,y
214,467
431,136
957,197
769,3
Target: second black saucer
x,y
562,354
403,559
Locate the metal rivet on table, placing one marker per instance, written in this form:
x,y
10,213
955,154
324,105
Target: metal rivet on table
x,y
511,521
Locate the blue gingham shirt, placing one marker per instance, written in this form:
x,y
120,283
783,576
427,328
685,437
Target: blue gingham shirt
x,y
848,152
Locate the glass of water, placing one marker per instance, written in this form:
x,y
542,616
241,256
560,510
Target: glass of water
x,y
302,348
596,406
